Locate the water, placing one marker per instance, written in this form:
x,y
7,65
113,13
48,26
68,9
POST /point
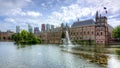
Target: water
x,y
68,38
113,61
39,56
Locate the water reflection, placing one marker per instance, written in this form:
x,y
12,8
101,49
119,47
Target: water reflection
x,y
22,46
39,56
51,56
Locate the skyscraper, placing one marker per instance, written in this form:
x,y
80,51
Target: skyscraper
x,y
29,28
17,29
52,26
36,30
43,27
47,27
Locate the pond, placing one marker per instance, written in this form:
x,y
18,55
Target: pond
x,y
43,56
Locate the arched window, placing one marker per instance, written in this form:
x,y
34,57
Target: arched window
x,y
101,33
88,32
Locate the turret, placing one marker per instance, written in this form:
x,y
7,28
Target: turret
x,y
96,15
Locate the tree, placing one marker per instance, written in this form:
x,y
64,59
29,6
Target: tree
x,y
24,34
63,35
16,37
25,38
116,32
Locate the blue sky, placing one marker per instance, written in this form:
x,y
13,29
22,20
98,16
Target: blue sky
x,y
35,12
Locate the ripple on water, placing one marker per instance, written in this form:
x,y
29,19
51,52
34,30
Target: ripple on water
x,y
39,56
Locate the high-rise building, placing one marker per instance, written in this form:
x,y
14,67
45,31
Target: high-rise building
x,y
36,30
17,29
52,26
29,28
47,27
43,27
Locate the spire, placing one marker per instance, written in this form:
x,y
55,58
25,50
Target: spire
x,y
78,19
100,16
96,14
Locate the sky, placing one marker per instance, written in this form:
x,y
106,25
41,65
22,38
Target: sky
x,y
36,12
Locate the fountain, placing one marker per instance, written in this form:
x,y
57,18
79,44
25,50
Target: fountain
x,y
68,39
67,44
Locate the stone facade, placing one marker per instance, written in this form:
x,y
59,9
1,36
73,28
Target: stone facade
x,y
6,36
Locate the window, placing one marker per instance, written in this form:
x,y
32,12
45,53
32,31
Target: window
x,y
84,32
88,32
92,32
97,33
80,32
76,33
101,33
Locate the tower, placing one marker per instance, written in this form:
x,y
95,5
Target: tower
x,y
47,27
36,30
29,28
43,27
96,17
101,29
17,29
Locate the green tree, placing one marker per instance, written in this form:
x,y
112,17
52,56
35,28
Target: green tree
x,y
116,32
25,38
24,34
63,35
16,37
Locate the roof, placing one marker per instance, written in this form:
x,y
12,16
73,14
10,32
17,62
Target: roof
x,y
84,23
109,26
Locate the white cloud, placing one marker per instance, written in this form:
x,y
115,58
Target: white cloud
x,y
67,13
43,5
114,22
15,12
19,12
87,9
8,5
82,9
34,14
22,18
10,20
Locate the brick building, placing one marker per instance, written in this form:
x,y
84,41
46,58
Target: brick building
x,y
6,36
53,36
89,30
97,31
